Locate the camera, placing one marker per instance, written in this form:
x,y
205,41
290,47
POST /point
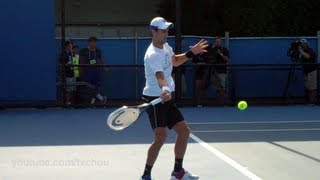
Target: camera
x,y
293,51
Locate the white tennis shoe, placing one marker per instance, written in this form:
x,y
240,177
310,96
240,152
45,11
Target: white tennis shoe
x,y
183,175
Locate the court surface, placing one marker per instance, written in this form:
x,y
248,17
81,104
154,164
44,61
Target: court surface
x,y
275,142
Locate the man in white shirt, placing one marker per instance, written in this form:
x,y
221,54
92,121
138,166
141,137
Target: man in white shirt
x,y
159,61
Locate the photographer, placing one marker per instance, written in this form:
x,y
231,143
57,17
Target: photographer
x,y
293,51
205,75
221,57
307,55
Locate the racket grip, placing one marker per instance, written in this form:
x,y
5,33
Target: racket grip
x,y
156,101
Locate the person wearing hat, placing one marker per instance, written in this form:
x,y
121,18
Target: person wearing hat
x,y
159,60
92,55
66,58
307,55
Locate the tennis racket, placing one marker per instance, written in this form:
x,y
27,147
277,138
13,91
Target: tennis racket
x,y
125,116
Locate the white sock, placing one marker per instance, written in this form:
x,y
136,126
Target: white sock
x,y
99,97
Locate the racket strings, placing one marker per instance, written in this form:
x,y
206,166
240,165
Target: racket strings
x,y
127,115
124,118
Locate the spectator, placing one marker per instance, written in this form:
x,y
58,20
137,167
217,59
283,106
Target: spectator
x,y
75,60
66,59
92,55
201,71
221,56
307,55
216,75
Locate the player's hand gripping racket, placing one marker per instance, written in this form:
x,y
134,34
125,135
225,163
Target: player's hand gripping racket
x,y
125,116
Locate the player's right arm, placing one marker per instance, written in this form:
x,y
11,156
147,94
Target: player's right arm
x,y
165,95
156,66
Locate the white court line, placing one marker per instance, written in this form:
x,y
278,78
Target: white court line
x,y
255,130
253,122
225,158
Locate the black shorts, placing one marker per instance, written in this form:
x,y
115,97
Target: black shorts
x,y
163,114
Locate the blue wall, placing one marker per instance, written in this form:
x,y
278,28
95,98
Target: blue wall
x,y
27,66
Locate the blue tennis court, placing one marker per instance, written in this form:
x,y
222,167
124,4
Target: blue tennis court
x,y
275,142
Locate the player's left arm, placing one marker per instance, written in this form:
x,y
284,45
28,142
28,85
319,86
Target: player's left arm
x,y
179,59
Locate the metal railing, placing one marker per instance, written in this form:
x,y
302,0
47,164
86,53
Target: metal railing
x,y
119,74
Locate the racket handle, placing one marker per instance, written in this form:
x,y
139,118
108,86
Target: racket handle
x,y
156,101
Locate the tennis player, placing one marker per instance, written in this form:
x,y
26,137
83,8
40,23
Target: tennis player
x,y
158,62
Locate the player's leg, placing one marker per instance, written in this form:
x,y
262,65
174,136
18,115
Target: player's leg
x,y
158,123
182,130
160,135
179,125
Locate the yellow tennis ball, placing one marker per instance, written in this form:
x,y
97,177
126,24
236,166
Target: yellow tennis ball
x,y
242,105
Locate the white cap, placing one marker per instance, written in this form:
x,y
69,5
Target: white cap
x,y
160,23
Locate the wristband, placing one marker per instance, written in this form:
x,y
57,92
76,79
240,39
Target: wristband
x,y
166,88
189,54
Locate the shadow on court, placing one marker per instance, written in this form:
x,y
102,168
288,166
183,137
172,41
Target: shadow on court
x,y
68,127
88,126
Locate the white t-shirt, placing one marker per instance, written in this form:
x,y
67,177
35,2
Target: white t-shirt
x,y
156,60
